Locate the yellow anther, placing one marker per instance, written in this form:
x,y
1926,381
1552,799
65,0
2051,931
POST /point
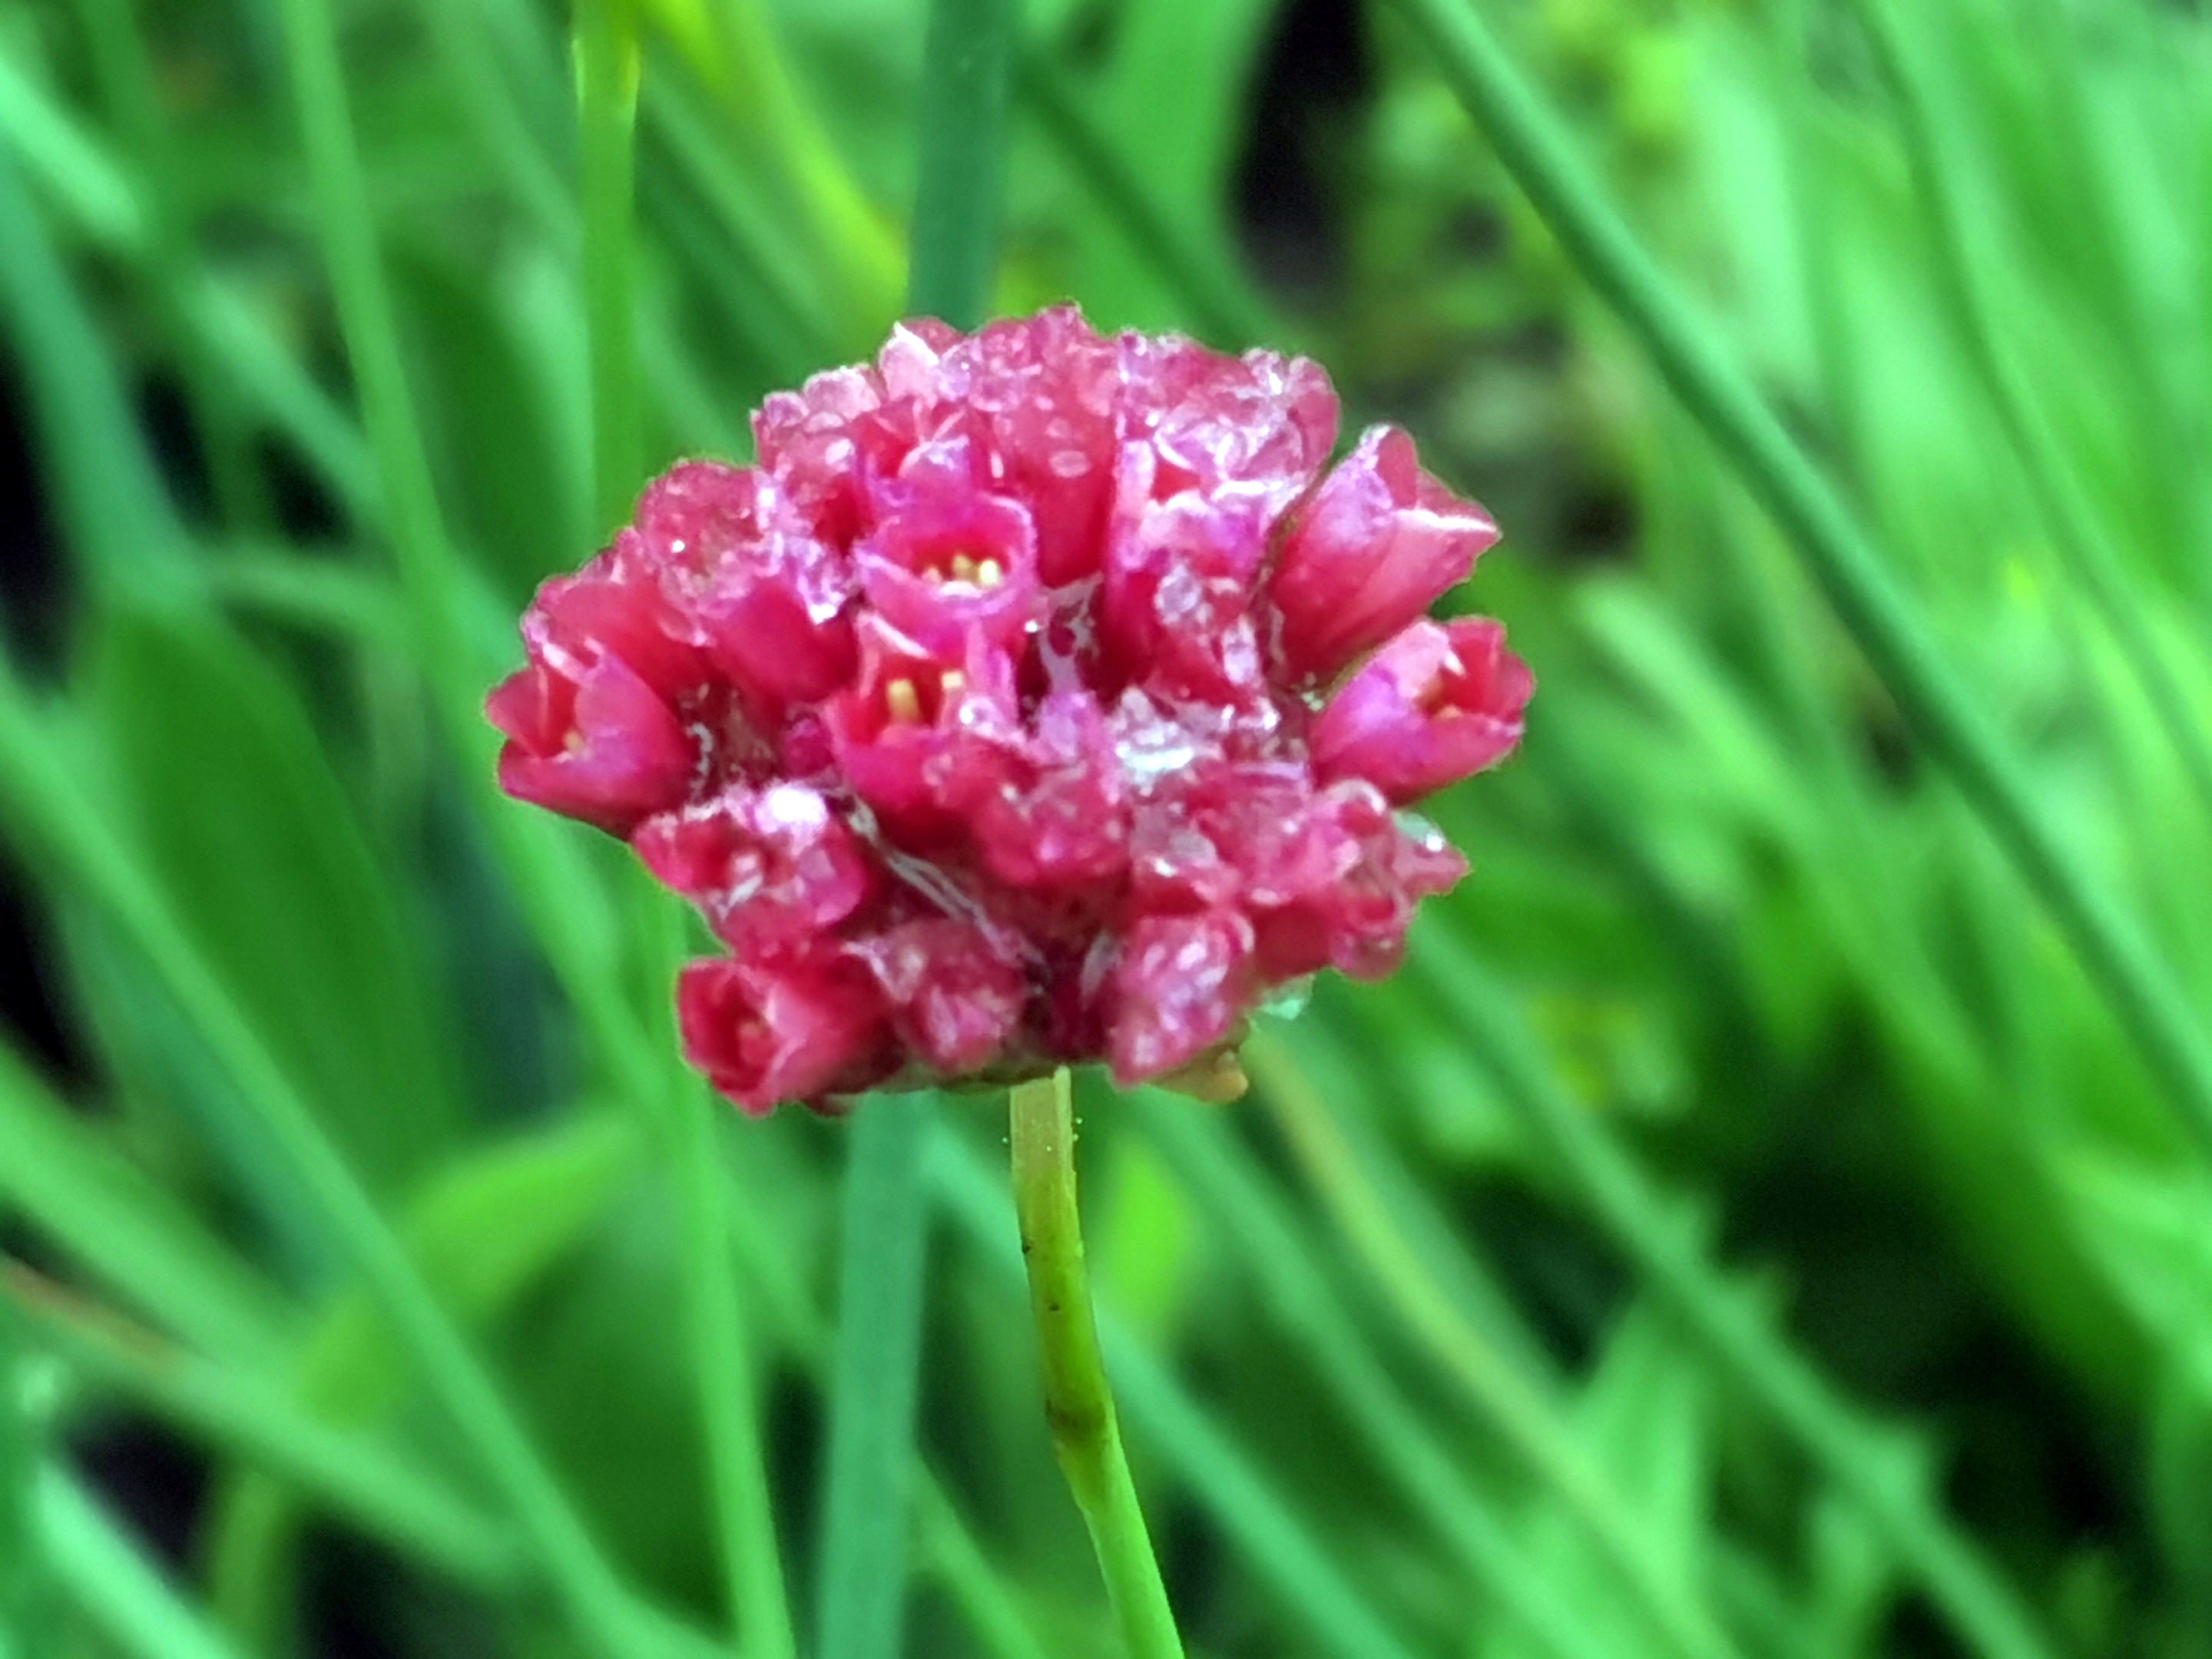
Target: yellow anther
x,y
990,574
963,568
903,702
952,683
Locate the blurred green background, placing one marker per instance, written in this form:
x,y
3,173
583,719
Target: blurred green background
x,y
1745,1228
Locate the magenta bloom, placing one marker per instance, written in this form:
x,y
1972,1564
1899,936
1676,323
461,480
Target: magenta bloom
x,y
1037,698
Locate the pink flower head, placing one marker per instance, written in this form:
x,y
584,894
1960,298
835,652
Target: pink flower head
x,y
1011,713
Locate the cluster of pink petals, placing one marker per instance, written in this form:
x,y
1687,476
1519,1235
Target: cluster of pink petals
x,y
1037,698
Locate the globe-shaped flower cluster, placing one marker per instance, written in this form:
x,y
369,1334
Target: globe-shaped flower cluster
x,y
1037,697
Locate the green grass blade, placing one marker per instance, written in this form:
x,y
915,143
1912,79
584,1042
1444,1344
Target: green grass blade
x,y
408,494
81,183
966,61
607,73
1222,306
861,1594
1529,140
1985,1610
560,898
124,1230
969,1580
493,1225
335,595
760,281
607,69
2052,482
61,823
562,901
861,1598
23,1607
100,203
111,499
731,1407
126,76
1291,1280
122,1594
292,903
694,1120
780,136
236,1414
974,1583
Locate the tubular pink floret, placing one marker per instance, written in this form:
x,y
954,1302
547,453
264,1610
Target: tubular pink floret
x,y
1437,704
776,1030
1373,549
984,719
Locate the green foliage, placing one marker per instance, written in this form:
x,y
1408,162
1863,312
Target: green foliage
x,y
1768,1215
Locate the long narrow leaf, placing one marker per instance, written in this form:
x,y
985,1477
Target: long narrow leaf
x,y
862,1589
54,815
1984,1609
1868,599
122,1594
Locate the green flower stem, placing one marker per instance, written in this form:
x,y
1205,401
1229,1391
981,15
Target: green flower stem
x,y
1289,1560
606,121
1086,1436
2138,986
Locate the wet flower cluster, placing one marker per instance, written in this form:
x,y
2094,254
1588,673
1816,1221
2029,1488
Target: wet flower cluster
x,y
1038,697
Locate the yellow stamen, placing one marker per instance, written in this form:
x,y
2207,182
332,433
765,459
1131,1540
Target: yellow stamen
x,y
963,568
902,701
989,574
952,683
